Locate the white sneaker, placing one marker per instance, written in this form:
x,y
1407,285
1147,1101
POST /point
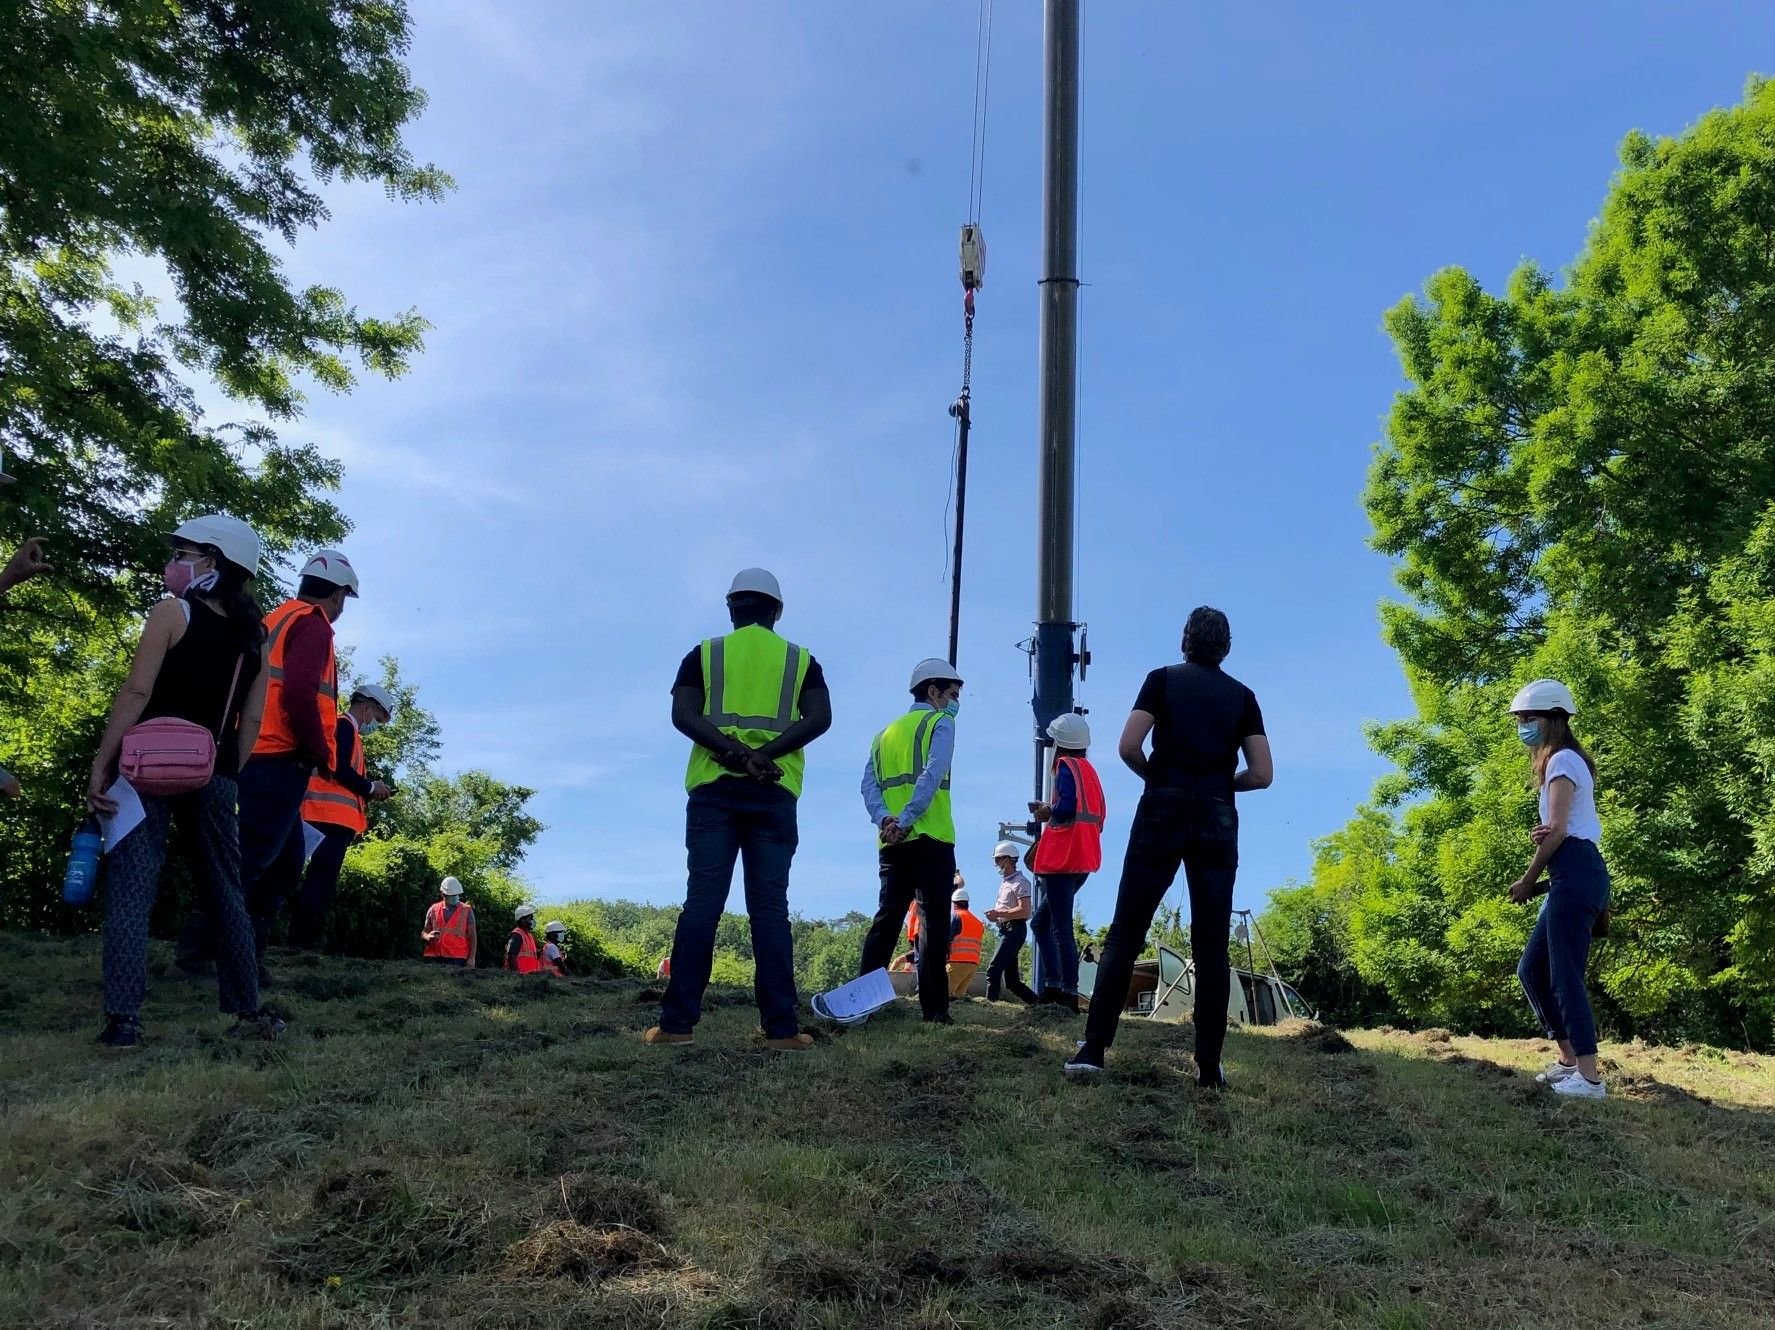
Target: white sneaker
x,y
1577,1087
1557,1071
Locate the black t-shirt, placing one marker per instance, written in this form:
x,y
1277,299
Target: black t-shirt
x,y
1203,714
195,678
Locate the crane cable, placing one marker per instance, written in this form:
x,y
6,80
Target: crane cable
x,y
973,261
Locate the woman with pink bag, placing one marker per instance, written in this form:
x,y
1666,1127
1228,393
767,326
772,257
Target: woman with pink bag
x,y
181,724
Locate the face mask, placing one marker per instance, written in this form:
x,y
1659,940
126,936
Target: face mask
x,y
181,578
952,708
1529,731
369,727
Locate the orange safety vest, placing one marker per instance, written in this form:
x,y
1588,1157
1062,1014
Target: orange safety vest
x,y
964,947
330,803
1075,846
527,962
275,735
550,966
912,925
451,941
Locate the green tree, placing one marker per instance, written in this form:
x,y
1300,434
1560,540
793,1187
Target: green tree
x,y
1579,481
192,139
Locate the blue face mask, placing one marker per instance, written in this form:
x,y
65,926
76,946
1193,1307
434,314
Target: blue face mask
x,y
369,727
1529,731
953,708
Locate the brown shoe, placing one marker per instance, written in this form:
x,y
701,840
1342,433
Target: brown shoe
x,y
795,1043
655,1035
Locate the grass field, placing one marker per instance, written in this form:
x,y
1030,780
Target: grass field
x,y
451,1150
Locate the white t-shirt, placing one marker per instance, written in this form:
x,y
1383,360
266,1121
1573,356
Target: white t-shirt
x,y
1583,822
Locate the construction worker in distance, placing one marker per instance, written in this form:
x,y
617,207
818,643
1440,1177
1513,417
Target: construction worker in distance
x,y
520,948
1069,850
449,936
297,737
967,935
750,703
906,790
554,960
1011,913
338,806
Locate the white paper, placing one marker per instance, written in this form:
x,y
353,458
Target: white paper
x,y
860,996
311,840
129,815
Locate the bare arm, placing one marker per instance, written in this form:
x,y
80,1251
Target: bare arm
x,y
1260,767
816,719
1133,745
474,942
165,626
1551,835
688,720
252,715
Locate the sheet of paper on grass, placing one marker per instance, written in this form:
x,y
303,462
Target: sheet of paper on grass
x,y
129,815
311,840
860,996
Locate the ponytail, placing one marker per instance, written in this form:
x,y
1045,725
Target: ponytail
x,y
1557,737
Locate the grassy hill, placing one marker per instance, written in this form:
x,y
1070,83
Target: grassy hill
x,y
447,1150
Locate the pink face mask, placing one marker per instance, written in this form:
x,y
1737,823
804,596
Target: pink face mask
x,y
180,577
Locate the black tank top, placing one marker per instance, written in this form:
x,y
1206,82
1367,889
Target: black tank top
x,y
194,681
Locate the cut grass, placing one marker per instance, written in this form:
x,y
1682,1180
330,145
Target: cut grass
x,y
453,1150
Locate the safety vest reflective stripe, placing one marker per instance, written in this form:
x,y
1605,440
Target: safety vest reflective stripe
x,y
716,706
330,803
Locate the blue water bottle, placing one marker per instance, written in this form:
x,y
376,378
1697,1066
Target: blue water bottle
x,y
83,864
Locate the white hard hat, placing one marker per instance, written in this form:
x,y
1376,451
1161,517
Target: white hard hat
x,y
554,926
758,581
524,910
933,669
1070,731
377,694
1545,695
332,566
1005,849
959,896
239,543
451,887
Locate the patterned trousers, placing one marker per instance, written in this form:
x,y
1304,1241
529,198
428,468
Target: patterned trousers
x,y
209,838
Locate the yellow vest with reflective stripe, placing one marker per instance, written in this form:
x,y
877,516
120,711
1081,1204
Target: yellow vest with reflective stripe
x,y
751,691
900,753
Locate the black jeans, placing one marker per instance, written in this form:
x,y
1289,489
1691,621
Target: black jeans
x,y
308,913
1005,971
924,868
1201,833
734,819
271,793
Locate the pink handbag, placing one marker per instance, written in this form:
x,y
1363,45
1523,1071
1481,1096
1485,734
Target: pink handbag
x,y
168,756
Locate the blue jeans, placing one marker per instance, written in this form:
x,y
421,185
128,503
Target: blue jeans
x,y
271,794
1552,967
727,820
1056,945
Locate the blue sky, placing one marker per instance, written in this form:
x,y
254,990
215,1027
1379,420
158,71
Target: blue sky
x,y
695,308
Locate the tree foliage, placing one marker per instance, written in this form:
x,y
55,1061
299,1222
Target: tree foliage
x,y
1579,481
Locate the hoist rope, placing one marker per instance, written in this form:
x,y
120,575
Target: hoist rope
x,y
982,94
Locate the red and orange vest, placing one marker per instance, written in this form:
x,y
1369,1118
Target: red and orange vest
x,y
275,735
964,947
1075,846
451,941
527,963
329,803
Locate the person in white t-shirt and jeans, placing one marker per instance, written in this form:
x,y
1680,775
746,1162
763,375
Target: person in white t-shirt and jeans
x,y
1568,848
